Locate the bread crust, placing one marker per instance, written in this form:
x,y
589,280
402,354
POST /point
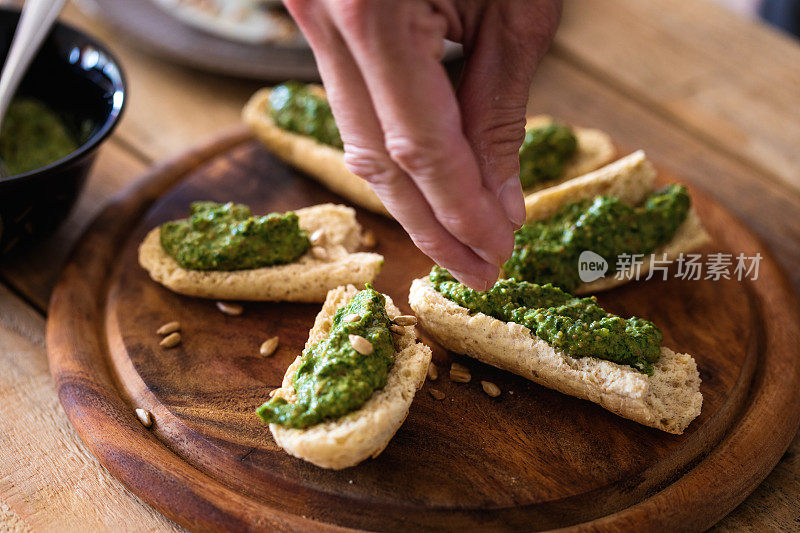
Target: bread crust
x,y
630,179
668,400
363,433
326,163
306,280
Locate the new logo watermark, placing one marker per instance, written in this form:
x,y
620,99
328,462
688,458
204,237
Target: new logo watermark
x,y
592,266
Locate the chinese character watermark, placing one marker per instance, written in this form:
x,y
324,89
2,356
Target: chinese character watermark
x,y
689,267
629,266
717,266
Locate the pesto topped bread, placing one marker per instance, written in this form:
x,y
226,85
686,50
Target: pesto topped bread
x,y
553,153
566,220
329,263
310,141
315,156
664,392
331,439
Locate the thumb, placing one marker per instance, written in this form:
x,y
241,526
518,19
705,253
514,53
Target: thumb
x,y
502,52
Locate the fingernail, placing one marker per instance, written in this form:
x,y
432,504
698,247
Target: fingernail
x,y
502,249
490,256
512,200
479,283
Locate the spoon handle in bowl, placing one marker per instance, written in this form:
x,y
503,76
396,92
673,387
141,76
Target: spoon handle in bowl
x,y
35,22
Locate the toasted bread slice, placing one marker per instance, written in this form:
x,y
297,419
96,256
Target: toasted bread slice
x,y
668,400
363,433
631,180
326,164
595,149
322,162
307,279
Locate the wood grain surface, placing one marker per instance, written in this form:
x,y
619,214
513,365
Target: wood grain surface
x,y
714,130
701,66
47,465
534,459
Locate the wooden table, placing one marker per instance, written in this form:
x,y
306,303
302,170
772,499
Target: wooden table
x,y
712,96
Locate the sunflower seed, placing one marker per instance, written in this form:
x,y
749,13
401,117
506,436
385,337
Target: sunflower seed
x,y
319,253
360,344
144,417
458,367
169,327
230,309
490,388
269,346
368,239
171,340
436,393
460,377
405,320
433,372
318,237
352,317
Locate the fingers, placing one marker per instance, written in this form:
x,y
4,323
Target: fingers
x,y
508,39
365,152
397,53
409,207
344,86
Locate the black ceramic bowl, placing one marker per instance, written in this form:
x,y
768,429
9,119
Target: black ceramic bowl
x,y
79,79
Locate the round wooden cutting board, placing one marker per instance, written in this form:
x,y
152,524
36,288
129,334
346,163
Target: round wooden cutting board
x,y
530,459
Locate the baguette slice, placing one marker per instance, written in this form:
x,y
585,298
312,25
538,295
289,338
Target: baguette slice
x,y
363,433
595,149
326,164
631,180
668,400
322,162
307,279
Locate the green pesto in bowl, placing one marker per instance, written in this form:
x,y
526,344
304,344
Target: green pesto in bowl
x,y
33,136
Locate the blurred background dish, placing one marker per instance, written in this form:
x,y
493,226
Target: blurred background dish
x,y
173,38
203,35
250,21
80,85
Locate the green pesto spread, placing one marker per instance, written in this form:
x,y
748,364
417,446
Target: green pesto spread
x,y
294,107
333,379
544,152
33,136
229,237
547,251
576,326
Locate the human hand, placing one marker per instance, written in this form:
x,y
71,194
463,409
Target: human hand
x,y
445,163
